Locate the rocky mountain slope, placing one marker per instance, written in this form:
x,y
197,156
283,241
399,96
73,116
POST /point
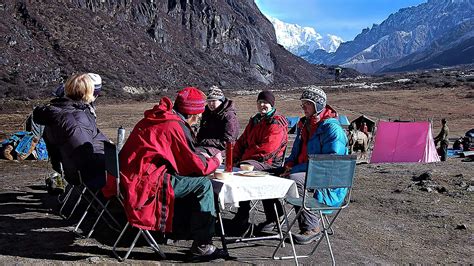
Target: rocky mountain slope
x,y
410,32
455,47
143,46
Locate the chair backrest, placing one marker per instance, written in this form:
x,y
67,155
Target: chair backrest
x,y
112,162
330,171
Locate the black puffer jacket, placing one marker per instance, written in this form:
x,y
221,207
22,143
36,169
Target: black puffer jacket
x,y
218,126
72,138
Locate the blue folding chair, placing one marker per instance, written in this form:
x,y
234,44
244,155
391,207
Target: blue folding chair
x,y
324,171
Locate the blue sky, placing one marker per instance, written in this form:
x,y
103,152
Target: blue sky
x,y
344,18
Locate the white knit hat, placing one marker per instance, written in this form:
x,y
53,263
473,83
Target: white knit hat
x,y
97,81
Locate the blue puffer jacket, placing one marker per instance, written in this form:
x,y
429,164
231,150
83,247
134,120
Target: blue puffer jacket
x,y
329,138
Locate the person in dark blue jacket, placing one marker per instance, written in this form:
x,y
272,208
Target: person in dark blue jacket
x,y
71,134
318,132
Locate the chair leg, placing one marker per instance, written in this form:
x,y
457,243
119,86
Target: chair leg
x,y
288,234
152,242
132,246
327,238
97,220
84,215
326,227
64,201
330,248
77,203
104,209
82,218
219,217
114,248
330,229
278,225
148,237
66,194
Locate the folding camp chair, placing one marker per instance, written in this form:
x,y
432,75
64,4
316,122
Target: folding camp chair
x,y
84,193
324,172
65,198
99,207
112,169
68,196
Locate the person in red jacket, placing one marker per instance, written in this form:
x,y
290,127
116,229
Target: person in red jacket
x,y
159,164
262,145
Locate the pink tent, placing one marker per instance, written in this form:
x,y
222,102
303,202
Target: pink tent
x,y
404,142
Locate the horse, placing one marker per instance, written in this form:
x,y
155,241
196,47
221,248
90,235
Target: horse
x,y
358,140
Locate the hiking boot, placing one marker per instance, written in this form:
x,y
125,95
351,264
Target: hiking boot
x,y
307,236
55,184
7,152
206,252
60,185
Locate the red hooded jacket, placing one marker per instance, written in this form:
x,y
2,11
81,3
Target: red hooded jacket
x,y
159,146
263,140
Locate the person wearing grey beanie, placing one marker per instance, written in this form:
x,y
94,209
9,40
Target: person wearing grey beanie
x,y
318,132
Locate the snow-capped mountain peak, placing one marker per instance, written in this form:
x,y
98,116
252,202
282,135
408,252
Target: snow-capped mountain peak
x,y
303,40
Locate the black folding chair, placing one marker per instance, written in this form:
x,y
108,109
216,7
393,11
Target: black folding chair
x,y
97,206
112,169
324,172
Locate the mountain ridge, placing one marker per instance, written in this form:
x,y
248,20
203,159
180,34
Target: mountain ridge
x,y
409,31
143,47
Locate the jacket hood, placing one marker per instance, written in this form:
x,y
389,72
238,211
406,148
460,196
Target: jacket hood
x,y
328,112
162,112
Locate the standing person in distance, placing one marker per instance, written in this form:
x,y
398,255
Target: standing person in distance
x,y
442,138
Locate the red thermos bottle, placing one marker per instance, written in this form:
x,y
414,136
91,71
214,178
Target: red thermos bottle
x,y
229,149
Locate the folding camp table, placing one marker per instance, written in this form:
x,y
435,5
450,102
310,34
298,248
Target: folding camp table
x,y
236,188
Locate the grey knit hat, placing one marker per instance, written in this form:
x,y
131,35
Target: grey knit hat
x,y
316,96
215,94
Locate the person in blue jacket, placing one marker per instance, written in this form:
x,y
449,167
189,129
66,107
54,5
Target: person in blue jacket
x,y
318,132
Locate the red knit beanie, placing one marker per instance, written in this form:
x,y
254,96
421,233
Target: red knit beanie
x,y
190,101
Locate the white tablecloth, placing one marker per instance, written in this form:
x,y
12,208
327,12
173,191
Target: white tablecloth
x,y
238,188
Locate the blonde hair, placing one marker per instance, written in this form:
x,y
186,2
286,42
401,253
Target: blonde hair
x,y
79,87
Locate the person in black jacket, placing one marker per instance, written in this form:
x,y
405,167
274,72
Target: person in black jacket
x,y
71,133
219,123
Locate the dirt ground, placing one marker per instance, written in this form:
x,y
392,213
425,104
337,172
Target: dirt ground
x,y
392,218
